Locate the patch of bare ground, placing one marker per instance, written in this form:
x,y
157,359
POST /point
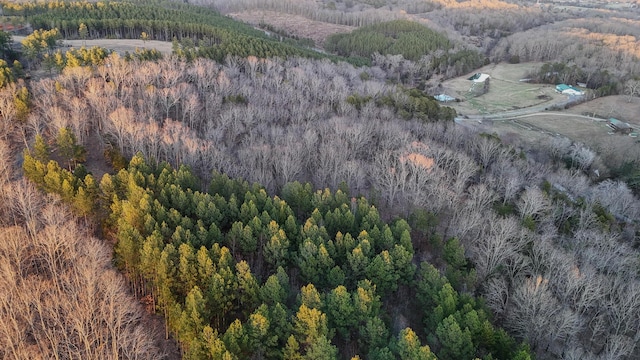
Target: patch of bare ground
x,y
168,346
123,45
293,24
118,45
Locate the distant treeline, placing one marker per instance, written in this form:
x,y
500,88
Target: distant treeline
x,y
408,38
215,35
161,20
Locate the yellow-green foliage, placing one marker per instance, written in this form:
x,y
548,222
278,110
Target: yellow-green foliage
x,y
6,74
92,56
201,255
40,40
22,102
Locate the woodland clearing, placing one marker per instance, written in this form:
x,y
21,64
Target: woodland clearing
x,y
121,46
295,25
506,91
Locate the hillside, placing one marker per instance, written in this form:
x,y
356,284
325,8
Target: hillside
x,y
265,200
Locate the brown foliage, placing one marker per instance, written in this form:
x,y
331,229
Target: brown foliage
x,y
59,295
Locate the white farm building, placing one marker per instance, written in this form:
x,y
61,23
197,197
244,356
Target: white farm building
x,y
479,77
568,90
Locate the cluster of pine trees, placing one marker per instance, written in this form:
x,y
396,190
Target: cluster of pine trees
x,y
238,273
10,68
215,35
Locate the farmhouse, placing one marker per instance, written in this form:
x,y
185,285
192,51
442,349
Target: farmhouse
x,y
479,77
568,90
444,98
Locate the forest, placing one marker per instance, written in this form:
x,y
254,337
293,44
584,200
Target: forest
x,y
215,35
410,40
296,207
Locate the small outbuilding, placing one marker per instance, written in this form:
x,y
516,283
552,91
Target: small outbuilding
x,y
620,126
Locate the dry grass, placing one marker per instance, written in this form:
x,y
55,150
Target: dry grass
x,y
118,45
506,91
123,45
584,130
573,127
293,24
617,106
596,134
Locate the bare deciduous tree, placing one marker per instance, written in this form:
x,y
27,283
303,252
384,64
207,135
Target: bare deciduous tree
x,y
616,197
538,317
631,89
532,203
385,175
486,150
59,295
503,240
121,122
581,156
25,202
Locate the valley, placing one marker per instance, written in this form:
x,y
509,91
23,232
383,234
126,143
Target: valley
x,y
275,179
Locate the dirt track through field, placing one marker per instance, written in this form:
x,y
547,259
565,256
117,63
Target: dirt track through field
x,y
118,45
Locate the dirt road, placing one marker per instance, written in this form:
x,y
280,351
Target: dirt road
x,y
118,45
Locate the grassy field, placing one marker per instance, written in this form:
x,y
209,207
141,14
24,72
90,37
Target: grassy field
x,y
506,91
118,45
620,107
573,127
570,124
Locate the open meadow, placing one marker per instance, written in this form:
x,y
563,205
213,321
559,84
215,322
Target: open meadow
x,y
506,91
118,45
576,128
620,107
584,123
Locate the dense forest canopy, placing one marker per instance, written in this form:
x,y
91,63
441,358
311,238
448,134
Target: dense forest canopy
x,y
294,207
522,224
105,18
239,274
216,36
410,39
